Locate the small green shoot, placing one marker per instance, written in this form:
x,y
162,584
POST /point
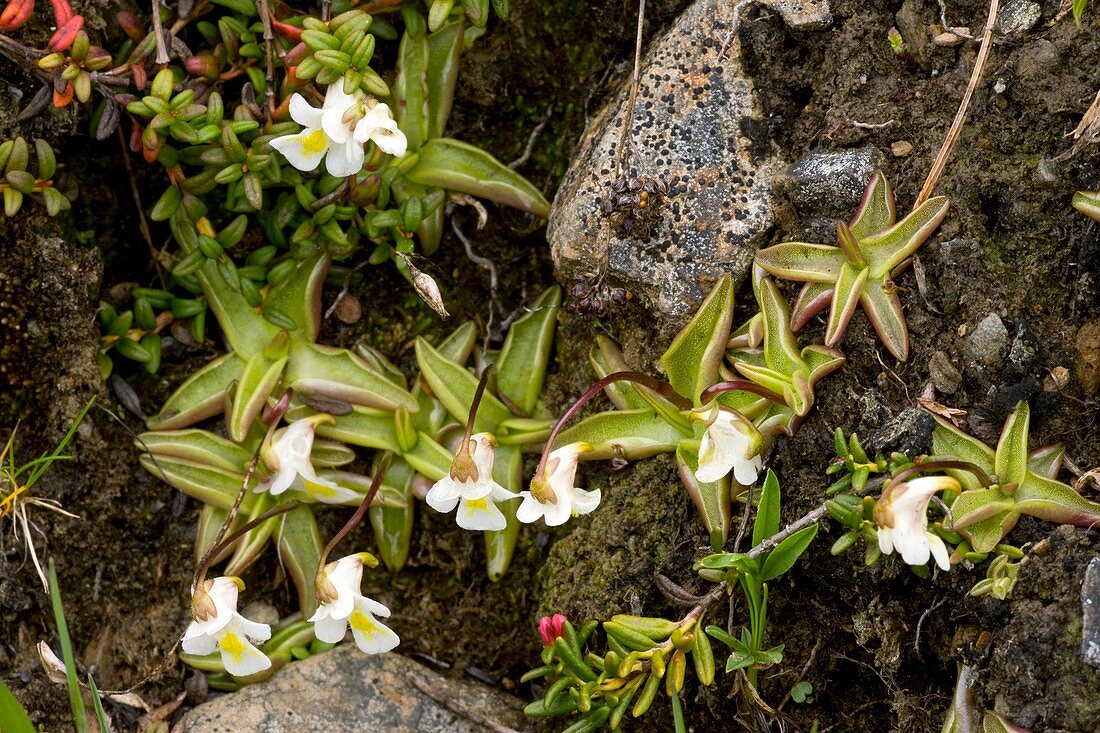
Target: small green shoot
x,y
76,701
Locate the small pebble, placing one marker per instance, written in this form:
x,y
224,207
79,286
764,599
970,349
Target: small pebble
x,y
947,38
901,148
945,376
348,309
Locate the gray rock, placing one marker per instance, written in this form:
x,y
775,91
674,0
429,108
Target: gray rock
x,y
945,377
909,432
345,690
830,183
1090,614
987,343
1018,17
693,129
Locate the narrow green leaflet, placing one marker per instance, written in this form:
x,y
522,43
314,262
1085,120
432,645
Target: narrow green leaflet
x,y
299,296
766,523
692,361
787,552
444,53
256,384
499,546
14,717
1010,463
411,88
338,373
209,485
76,700
457,166
199,446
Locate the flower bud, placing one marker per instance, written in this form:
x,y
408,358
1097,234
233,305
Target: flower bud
x,y
203,65
550,628
133,27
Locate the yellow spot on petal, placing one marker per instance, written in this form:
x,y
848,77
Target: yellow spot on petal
x,y
479,505
363,623
320,489
314,143
232,645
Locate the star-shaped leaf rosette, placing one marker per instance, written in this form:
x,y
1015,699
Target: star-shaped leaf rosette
x,y
871,250
717,420
1023,483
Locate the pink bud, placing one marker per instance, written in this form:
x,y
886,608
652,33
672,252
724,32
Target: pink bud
x,y
134,28
204,65
550,628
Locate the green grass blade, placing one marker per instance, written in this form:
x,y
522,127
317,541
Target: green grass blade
x,y
76,701
13,718
100,716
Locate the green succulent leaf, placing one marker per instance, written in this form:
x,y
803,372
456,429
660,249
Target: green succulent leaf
x,y
199,446
457,166
299,296
606,358
444,54
255,385
250,546
340,374
500,546
711,499
201,396
1010,462
454,386
300,547
1055,501
692,361
521,366
411,88
209,485
393,525
363,426
629,434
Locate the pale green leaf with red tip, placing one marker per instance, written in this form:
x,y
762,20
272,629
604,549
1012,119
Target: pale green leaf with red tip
x,y
1010,463
1055,501
814,263
711,499
201,396
1088,203
300,546
198,446
1046,461
606,358
691,361
255,385
630,434
883,308
363,426
812,299
887,249
948,441
846,296
877,210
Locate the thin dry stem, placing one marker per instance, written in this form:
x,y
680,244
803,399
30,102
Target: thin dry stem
x,y
952,138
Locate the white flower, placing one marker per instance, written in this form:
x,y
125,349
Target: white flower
x,y
470,487
288,458
731,443
901,514
553,497
217,625
338,131
342,604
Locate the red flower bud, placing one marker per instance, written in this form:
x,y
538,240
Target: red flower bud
x,y
15,14
134,28
287,31
550,628
62,12
204,65
65,34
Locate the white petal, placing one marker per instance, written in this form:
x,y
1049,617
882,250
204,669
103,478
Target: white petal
x,y
344,159
371,635
198,643
939,551
444,494
746,471
304,113
303,150
530,510
480,515
330,630
239,657
584,502
254,630
885,541
326,491
392,142
558,514
913,547
373,606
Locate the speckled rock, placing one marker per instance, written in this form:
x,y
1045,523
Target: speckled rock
x,y
830,183
693,124
345,690
1018,17
1090,614
987,343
